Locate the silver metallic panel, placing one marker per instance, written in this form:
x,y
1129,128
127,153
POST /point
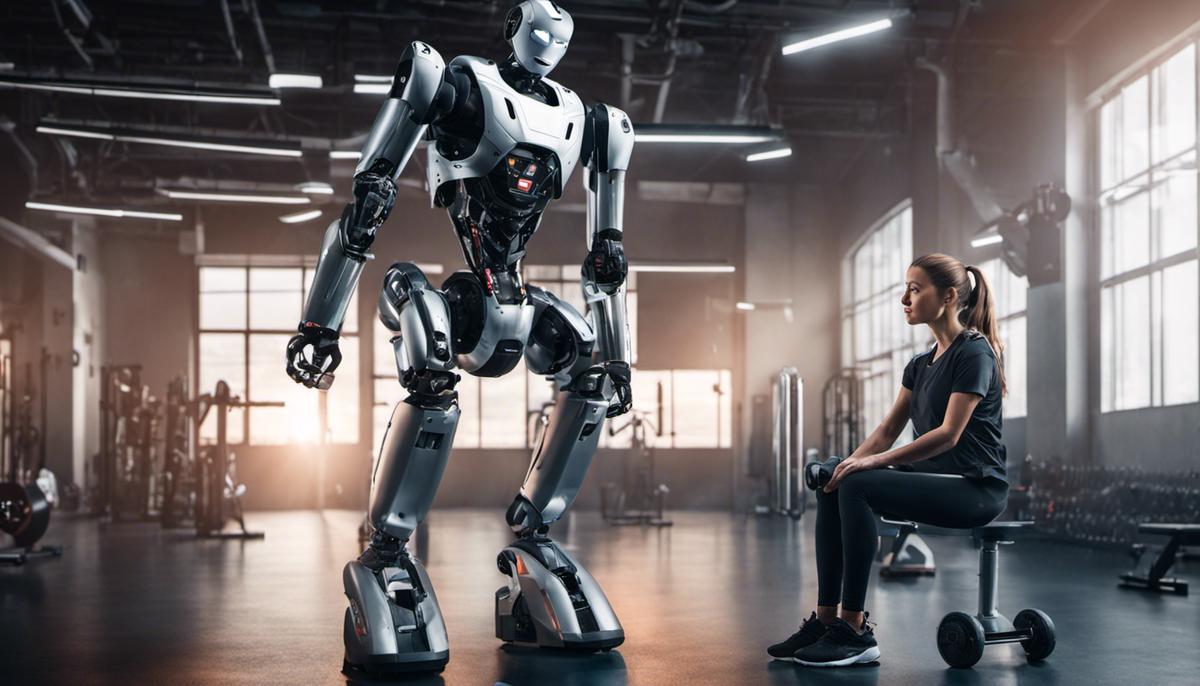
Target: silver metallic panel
x,y
500,323
555,621
612,328
394,136
535,123
410,466
562,459
371,619
333,284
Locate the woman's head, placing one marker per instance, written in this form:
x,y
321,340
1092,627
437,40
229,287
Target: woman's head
x,y
939,287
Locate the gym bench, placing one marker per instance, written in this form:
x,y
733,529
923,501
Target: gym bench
x,y
1155,578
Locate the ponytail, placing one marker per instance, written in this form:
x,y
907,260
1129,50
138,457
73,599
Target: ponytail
x,y
980,314
977,305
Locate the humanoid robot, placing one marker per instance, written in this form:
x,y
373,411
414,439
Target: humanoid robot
x,y
503,141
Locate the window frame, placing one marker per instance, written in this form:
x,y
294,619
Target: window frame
x,y
248,331
1107,198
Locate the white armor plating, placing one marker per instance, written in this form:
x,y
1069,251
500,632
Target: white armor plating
x,y
510,118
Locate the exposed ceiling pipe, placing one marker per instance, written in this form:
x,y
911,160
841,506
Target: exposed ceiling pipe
x,y
262,37
35,243
28,161
664,88
71,37
706,8
233,41
953,156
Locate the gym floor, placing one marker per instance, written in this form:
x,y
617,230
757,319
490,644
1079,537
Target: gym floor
x,y
130,604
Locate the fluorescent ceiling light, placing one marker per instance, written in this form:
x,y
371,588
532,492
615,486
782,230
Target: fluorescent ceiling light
x,y
836,36
344,154
697,138
986,241
769,154
103,212
295,81
315,188
705,133
430,268
373,78
372,88
748,307
298,217
235,197
668,268
144,93
153,139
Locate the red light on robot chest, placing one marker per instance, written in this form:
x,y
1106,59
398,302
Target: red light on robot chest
x,y
524,185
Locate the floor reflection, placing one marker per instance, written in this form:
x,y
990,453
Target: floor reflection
x,y
520,666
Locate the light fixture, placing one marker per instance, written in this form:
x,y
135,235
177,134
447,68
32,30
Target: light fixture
x,y
114,90
176,194
344,154
295,81
746,307
372,89
315,188
149,138
682,268
104,212
373,78
837,36
703,133
307,215
372,84
772,154
984,241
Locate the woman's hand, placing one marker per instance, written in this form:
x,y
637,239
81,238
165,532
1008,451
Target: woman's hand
x,y
851,465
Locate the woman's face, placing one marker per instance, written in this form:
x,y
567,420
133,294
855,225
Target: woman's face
x,y
922,302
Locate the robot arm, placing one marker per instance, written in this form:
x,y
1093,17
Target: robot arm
x,y
419,95
608,144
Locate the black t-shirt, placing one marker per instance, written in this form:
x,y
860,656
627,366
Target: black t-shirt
x,y
968,366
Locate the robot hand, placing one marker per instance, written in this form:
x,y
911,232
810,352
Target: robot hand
x,y
312,372
605,265
622,402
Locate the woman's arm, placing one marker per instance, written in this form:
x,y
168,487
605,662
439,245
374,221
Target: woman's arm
x,y
889,429
929,444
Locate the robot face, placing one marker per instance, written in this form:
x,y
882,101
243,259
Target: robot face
x,y
538,31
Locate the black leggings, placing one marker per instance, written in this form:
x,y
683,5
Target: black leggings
x,y
846,538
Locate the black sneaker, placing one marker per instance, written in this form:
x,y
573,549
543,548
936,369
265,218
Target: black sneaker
x,y
810,632
840,646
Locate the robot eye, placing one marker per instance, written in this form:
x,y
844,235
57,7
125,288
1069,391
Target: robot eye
x,y
559,42
542,36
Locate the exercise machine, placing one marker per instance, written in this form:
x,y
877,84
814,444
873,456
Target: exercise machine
x,y
787,463
842,400
218,494
178,475
126,470
30,491
639,499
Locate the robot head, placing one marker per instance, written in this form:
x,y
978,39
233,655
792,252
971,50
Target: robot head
x,y
538,31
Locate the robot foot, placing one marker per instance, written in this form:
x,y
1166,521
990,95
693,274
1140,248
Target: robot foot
x,y
551,601
393,624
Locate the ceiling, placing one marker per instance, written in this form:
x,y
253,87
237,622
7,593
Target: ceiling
x,y
675,61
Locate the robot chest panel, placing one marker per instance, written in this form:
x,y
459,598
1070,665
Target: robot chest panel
x,y
514,122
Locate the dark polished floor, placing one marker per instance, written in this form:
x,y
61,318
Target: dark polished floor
x,y
128,604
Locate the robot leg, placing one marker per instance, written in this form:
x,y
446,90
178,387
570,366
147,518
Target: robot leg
x,y
393,623
550,599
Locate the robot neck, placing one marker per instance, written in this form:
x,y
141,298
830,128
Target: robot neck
x,y
524,82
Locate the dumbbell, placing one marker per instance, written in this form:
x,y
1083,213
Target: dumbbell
x,y
817,474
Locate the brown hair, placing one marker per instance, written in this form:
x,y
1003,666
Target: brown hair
x,y
976,306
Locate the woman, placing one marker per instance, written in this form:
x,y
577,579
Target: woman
x,y
952,475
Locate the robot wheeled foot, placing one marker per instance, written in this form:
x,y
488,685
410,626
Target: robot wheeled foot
x,y
551,601
393,624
